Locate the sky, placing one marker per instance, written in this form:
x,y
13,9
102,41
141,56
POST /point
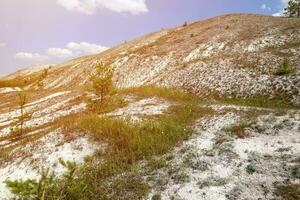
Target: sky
x,y
36,32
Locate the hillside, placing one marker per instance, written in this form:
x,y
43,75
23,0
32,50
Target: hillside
x,y
244,128
228,55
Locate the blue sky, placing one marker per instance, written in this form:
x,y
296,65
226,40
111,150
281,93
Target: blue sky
x,y
52,31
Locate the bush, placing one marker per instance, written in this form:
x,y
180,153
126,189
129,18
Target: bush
x,y
285,68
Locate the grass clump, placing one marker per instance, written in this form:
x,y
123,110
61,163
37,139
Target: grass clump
x,y
136,141
285,68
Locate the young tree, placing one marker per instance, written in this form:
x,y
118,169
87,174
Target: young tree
x,y
101,80
293,8
43,75
19,124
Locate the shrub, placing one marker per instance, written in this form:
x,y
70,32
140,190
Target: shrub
x,y
285,68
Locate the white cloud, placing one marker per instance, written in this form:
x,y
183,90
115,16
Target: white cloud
x,y
31,57
2,44
283,5
53,55
265,7
59,53
90,7
86,48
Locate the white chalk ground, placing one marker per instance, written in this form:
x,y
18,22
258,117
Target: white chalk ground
x,y
9,89
44,153
46,114
218,171
142,108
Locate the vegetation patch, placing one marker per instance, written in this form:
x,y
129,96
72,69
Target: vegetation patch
x,y
25,80
285,68
116,172
212,181
169,94
260,101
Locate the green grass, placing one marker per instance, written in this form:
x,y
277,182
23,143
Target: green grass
x,y
116,173
284,69
260,101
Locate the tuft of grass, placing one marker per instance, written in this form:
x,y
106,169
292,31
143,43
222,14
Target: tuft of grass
x,y
284,69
